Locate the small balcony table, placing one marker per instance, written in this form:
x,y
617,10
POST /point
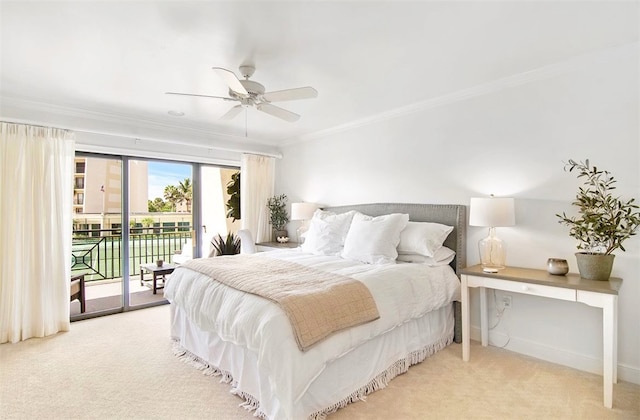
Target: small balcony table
x,y
156,272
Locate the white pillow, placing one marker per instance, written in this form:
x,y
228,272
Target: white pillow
x,y
327,232
423,238
374,240
443,256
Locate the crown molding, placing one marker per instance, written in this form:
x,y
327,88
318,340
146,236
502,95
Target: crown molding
x,y
541,73
127,126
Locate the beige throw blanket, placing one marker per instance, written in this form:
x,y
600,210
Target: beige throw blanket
x,y
317,303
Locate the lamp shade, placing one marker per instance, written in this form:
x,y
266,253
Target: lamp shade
x,y
492,212
303,211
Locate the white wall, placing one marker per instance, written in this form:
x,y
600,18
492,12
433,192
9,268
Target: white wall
x,y
509,138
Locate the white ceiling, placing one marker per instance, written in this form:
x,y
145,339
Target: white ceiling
x,y
116,59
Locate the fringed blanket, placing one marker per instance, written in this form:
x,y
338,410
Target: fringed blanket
x,y
317,303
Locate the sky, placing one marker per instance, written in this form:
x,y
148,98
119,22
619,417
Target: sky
x,y
162,174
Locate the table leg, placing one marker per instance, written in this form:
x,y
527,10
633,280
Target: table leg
x,y
484,322
141,277
465,319
615,339
155,278
608,334
609,305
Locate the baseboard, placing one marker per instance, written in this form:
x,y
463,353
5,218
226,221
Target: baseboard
x,y
556,355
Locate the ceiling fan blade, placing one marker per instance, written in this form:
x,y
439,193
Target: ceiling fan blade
x,y
201,96
306,92
230,114
231,80
276,111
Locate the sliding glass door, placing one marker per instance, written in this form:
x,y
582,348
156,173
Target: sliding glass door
x,y
135,220
96,261
160,225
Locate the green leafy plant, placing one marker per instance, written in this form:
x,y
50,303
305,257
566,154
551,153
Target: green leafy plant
x,y
233,204
226,246
147,222
159,205
604,222
278,211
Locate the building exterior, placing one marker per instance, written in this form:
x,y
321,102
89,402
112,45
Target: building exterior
x,y
97,200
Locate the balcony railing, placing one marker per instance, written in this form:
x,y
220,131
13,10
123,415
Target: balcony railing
x,y
98,252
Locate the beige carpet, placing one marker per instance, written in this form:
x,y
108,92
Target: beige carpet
x,y
122,367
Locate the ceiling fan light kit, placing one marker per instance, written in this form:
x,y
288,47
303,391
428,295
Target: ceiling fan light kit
x,y
252,94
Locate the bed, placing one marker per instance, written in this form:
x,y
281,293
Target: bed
x,y
247,340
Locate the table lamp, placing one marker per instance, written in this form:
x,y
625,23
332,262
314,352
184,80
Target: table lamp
x,y
303,212
492,212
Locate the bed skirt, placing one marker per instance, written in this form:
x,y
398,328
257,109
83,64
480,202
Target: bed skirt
x,y
344,380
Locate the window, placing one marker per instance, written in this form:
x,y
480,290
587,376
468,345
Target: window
x,y
80,167
116,228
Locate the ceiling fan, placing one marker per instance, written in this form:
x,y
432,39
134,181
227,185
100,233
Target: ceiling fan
x,y
251,93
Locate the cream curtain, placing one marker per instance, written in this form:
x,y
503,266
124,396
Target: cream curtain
x,y
256,186
36,193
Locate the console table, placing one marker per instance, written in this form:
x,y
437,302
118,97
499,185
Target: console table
x,y
600,294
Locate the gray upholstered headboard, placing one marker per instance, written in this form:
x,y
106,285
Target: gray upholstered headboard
x,y
447,214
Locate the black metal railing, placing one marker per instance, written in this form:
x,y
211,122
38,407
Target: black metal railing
x,y
97,253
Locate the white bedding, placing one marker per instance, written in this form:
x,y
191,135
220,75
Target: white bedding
x,y
262,328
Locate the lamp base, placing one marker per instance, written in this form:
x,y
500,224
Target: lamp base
x,y
301,231
493,253
299,236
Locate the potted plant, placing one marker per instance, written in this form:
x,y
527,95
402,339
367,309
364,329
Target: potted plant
x,y
603,223
233,204
225,246
278,216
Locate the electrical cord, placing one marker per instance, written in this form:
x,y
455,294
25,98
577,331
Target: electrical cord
x,y
499,313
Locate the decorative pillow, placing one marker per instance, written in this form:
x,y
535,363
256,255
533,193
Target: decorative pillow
x,y
327,232
374,240
443,256
423,238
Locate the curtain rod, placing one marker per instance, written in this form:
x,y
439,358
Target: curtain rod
x,y
36,125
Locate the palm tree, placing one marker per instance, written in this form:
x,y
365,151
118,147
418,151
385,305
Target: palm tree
x,y
172,195
185,189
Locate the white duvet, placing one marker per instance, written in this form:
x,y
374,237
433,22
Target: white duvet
x,y
402,292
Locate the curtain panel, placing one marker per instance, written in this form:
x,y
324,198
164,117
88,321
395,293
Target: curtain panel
x,y
256,186
36,194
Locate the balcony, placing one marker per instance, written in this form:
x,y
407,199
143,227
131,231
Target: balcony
x,y
97,253
102,295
